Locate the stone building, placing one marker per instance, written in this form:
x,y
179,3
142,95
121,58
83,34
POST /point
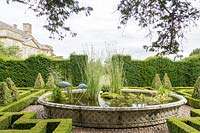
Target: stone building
x,y
11,35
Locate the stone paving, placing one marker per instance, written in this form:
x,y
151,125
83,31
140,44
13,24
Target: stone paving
x,y
184,112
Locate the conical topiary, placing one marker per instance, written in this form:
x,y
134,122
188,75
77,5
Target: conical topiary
x,y
5,94
166,82
196,92
50,83
156,83
39,82
13,89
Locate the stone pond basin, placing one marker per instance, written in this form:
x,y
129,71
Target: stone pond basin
x,y
114,117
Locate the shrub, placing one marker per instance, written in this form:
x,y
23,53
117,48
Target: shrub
x,y
57,96
5,94
50,83
13,89
39,82
167,83
196,92
156,83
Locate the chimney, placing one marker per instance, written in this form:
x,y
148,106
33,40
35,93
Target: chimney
x,y
15,26
27,28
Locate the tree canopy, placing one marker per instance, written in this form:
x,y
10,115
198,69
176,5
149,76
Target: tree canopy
x,y
169,18
56,12
195,52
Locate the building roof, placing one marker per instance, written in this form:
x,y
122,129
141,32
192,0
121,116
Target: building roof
x,y
24,37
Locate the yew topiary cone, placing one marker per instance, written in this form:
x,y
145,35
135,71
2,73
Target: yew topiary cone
x,y
50,83
13,89
167,83
39,82
196,92
156,83
5,94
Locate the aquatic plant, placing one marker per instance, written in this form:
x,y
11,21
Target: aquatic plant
x,y
116,74
94,73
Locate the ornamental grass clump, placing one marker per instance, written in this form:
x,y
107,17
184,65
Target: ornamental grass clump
x,y
50,82
156,83
167,83
13,89
39,82
116,74
94,73
5,94
196,92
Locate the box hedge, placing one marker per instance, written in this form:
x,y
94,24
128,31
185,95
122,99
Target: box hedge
x,y
182,125
26,122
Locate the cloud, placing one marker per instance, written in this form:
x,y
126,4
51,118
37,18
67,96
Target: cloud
x,y
97,30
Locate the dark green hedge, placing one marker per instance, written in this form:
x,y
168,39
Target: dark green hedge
x,y
181,73
21,103
78,69
187,94
183,125
24,72
17,122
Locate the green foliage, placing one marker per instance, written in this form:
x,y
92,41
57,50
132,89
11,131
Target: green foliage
x,y
168,18
39,82
50,82
57,96
13,89
156,83
195,113
22,103
116,73
23,72
196,92
94,74
26,122
5,94
182,125
166,82
78,68
195,52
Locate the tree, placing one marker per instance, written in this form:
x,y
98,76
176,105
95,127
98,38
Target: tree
x,y
195,52
56,12
169,18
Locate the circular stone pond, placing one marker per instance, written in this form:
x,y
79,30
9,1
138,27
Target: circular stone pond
x,y
114,117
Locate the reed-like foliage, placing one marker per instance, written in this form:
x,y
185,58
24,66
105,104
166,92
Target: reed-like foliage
x,y
116,74
94,73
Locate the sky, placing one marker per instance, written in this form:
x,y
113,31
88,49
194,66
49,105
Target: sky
x,y
98,31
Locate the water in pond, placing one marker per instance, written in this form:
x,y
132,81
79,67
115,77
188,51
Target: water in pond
x,y
119,100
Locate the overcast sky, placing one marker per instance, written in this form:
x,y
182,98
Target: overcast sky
x,y
98,30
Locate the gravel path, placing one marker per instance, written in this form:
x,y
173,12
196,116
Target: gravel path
x,y
184,112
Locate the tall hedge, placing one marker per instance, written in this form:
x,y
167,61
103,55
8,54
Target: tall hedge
x,y
182,73
78,67
24,72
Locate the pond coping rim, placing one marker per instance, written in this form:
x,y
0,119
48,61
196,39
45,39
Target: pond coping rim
x,y
181,101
